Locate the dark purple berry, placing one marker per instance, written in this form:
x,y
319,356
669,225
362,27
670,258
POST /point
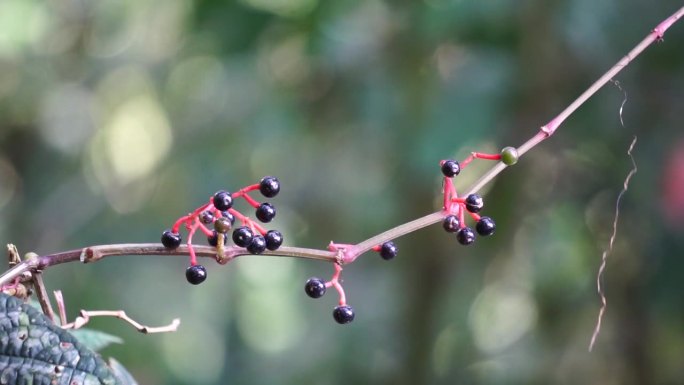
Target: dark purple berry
x,y
485,226
273,239
465,236
315,287
242,236
196,274
474,203
388,250
170,240
213,239
222,225
451,168
343,314
223,200
269,186
265,212
451,223
257,245
229,216
206,217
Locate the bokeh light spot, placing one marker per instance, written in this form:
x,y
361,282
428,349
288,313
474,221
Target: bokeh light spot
x,y
137,139
500,316
195,356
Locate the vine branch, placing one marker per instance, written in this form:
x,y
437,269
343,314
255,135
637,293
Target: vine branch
x,y
348,254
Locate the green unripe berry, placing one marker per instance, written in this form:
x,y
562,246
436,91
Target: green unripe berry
x,y
509,156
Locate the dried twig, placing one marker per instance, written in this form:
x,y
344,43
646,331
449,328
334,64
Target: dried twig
x,y
85,316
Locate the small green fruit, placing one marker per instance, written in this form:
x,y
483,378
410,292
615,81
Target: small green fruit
x,y
509,156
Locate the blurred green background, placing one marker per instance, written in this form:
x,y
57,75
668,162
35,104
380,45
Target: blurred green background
x,y
119,116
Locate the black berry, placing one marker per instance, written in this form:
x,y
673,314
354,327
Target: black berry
x,y
257,245
196,274
451,223
242,236
265,212
206,217
485,226
314,288
451,168
269,186
273,239
222,225
343,314
465,236
213,239
229,216
474,203
170,240
223,200
388,250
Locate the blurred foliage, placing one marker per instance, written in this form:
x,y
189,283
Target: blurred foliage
x,y
117,117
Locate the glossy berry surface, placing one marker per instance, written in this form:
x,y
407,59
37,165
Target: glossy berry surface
x,y
343,314
485,226
474,203
451,223
213,239
388,250
269,186
509,156
242,236
222,225
206,217
314,287
257,245
273,239
196,274
229,216
451,168
465,236
265,212
170,240
223,200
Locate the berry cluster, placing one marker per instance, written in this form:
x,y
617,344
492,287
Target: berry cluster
x,y
456,207
316,287
220,214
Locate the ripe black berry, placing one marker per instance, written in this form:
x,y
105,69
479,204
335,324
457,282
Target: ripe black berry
x,y
343,314
170,240
273,239
451,223
206,217
222,225
485,226
465,236
269,186
315,287
388,250
265,212
257,245
196,274
451,168
242,236
474,203
229,216
213,239
223,200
